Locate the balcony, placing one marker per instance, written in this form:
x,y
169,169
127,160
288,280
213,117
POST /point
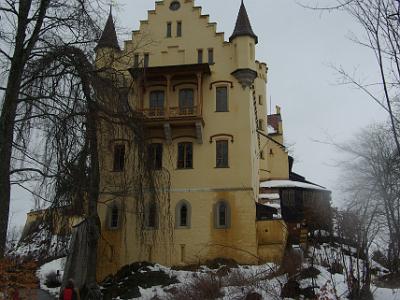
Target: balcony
x,y
170,121
174,112
166,112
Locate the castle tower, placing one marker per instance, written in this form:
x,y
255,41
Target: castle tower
x,y
107,44
244,40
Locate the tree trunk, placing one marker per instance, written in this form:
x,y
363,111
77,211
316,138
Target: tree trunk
x,y
7,136
9,108
93,196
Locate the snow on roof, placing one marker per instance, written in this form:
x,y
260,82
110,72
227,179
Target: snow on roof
x,y
271,129
272,196
290,183
273,205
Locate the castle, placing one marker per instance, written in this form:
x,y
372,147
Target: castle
x,y
208,134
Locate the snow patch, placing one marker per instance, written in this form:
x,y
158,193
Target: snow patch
x,y
290,183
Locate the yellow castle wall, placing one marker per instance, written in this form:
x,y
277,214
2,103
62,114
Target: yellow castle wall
x,y
205,184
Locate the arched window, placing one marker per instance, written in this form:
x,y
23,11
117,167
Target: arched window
x,y
151,215
222,215
183,214
114,216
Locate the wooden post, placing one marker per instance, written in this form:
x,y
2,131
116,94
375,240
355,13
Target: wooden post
x,y
167,95
199,94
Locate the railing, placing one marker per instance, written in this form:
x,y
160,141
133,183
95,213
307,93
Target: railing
x,y
154,113
189,111
174,112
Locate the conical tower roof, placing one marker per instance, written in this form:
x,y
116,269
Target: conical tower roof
x,y
109,38
243,26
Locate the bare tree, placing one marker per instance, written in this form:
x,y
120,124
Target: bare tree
x,y
371,180
29,28
380,21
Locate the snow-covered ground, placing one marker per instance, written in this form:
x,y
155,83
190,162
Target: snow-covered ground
x,y
236,283
56,266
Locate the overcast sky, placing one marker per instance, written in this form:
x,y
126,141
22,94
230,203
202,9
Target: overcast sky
x,y
299,46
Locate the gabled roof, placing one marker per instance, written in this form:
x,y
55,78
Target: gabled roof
x,y
243,26
109,38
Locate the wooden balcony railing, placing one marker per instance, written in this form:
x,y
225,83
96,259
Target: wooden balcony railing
x,y
189,111
154,113
174,112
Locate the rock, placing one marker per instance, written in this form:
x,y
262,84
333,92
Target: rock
x,y
253,296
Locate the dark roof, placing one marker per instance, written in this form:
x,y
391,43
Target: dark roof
x,y
109,38
243,26
274,120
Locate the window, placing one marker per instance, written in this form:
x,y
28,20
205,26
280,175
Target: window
x,y
260,101
222,154
200,56
186,102
154,152
136,61
210,56
146,60
222,99
151,215
179,28
175,5
157,103
185,155
261,154
260,125
222,215
114,218
182,214
119,158
169,29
